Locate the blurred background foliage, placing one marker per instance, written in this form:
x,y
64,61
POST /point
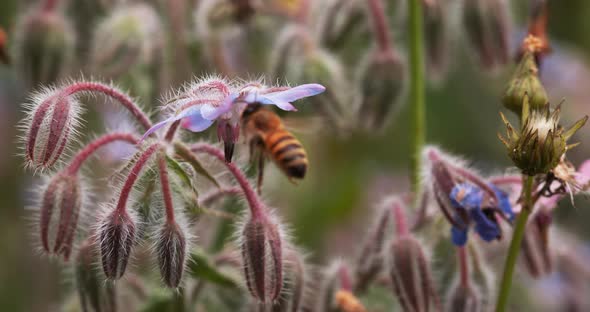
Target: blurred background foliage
x,y
348,175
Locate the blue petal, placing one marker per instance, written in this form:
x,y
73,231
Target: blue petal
x,y
196,123
195,110
466,196
486,228
504,202
458,236
212,112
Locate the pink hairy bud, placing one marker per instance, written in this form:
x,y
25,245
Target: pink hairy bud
x,y
171,248
117,237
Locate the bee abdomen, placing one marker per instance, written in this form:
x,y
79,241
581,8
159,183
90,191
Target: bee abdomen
x,y
289,154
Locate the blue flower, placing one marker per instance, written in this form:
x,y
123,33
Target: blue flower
x,y
468,199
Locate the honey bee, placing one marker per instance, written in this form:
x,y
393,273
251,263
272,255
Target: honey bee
x,y
267,134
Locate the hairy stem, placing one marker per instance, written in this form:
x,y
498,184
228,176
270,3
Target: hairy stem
x,y
121,97
399,217
515,244
133,175
254,202
166,192
463,266
417,97
93,146
380,25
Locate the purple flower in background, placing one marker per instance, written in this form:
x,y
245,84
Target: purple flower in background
x,y
213,99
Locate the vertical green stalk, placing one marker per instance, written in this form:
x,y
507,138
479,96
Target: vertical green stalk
x,y
515,245
417,101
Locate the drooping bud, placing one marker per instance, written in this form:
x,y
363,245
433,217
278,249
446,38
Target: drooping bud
x,y
382,83
60,208
49,126
116,238
172,249
411,276
541,143
535,245
525,83
436,32
262,258
92,290
294,285
45,45
487,25
463,298
127,43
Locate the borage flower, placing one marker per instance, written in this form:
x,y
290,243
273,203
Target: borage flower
x,y
465,198
201,104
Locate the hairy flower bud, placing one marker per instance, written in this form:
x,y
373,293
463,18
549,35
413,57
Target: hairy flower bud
x,y
535,245
262,258
411,275
436,32
525,82
463,298
92,290
294,285
45,45
487,25
130,36
541,143
382,85
171,248
116,238
51,122
60,208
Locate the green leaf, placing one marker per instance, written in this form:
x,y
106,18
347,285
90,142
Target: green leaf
x,y
201,267
181,173
192,159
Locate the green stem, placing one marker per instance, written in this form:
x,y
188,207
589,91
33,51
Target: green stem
x,y
417,102
515,244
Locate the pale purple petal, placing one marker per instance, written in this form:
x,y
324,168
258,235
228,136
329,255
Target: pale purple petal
x,y
583,175
196,123
212,112
191,111
283,99
155,127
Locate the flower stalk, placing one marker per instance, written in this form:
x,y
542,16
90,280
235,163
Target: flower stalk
x,y
417,96
515,244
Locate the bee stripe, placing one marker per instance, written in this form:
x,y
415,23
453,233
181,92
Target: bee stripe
x,y
291,158
283,137
287,148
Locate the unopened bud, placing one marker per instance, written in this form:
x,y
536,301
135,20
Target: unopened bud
x,y
535,245
117,237
525,82
538,148
130,36
487,25
92,290
60,208
411,276
294,285
172,249
49,127
45,46
436,32
463,298
262,259
382,85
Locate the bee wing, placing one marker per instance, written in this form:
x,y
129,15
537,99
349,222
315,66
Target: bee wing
x,y
303,125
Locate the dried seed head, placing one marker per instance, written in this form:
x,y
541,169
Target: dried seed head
x,y
50,125
411,276
116,237
262,258
541,143
463,298
487,24
382,83
525,82
172,250
92,291
45,45
130,35
60,208
535,245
